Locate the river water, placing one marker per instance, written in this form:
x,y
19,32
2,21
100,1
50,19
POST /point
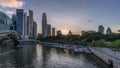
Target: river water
x,y
41,56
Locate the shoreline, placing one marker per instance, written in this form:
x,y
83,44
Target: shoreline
x,y
112,61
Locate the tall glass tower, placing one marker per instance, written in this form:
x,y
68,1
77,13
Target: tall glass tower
x,y
30,23
20,21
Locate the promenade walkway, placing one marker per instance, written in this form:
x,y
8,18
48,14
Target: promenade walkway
x,y
107,55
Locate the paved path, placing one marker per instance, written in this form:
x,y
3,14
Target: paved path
x,y
107,55
109,52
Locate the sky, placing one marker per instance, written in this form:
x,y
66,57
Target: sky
x,y
74,15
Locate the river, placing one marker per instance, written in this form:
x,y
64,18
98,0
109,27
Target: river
x,y
40,56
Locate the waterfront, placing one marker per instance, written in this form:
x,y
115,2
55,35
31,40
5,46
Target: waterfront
x,y
40,56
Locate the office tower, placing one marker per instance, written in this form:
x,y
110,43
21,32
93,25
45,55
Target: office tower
x,y
14,21
101,29
44,25
25,26
108,31
48,30
28,26
59,32
34,30
53,31
30,23
20,21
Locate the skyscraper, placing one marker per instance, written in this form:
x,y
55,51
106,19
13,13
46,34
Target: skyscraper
x,y
101,29
53,31
20,21
34,30
25,26
108,31
30,23
28,26
14,21
48,30
44,25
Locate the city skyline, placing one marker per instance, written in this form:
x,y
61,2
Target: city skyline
x,y
86,15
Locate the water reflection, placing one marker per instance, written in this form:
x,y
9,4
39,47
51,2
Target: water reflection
x,y
37,56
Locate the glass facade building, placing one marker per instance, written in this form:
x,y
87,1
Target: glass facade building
x,y
20,21
31,23
5,22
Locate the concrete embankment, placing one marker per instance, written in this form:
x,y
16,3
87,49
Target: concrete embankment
x,y
76,48
27,41
106,57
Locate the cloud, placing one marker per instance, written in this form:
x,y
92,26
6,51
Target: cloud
x,y
10,12
1,9
11,3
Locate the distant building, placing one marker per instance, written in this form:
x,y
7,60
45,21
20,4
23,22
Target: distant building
x,y
20,21
119,31
53,31
34,30
59,32
69,33
28,26
101,29
14,21
48,30
44,25
39,36
108,31
31,23
25,26
86,32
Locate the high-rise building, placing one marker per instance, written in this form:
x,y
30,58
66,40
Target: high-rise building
x,y
44,25
59,32
34,30
108,31
53,31
101,29
48,30
28,26
25,26
20,21
14,22
30,23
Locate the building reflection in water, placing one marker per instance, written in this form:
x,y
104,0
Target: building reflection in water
x,y
25,56
42,56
